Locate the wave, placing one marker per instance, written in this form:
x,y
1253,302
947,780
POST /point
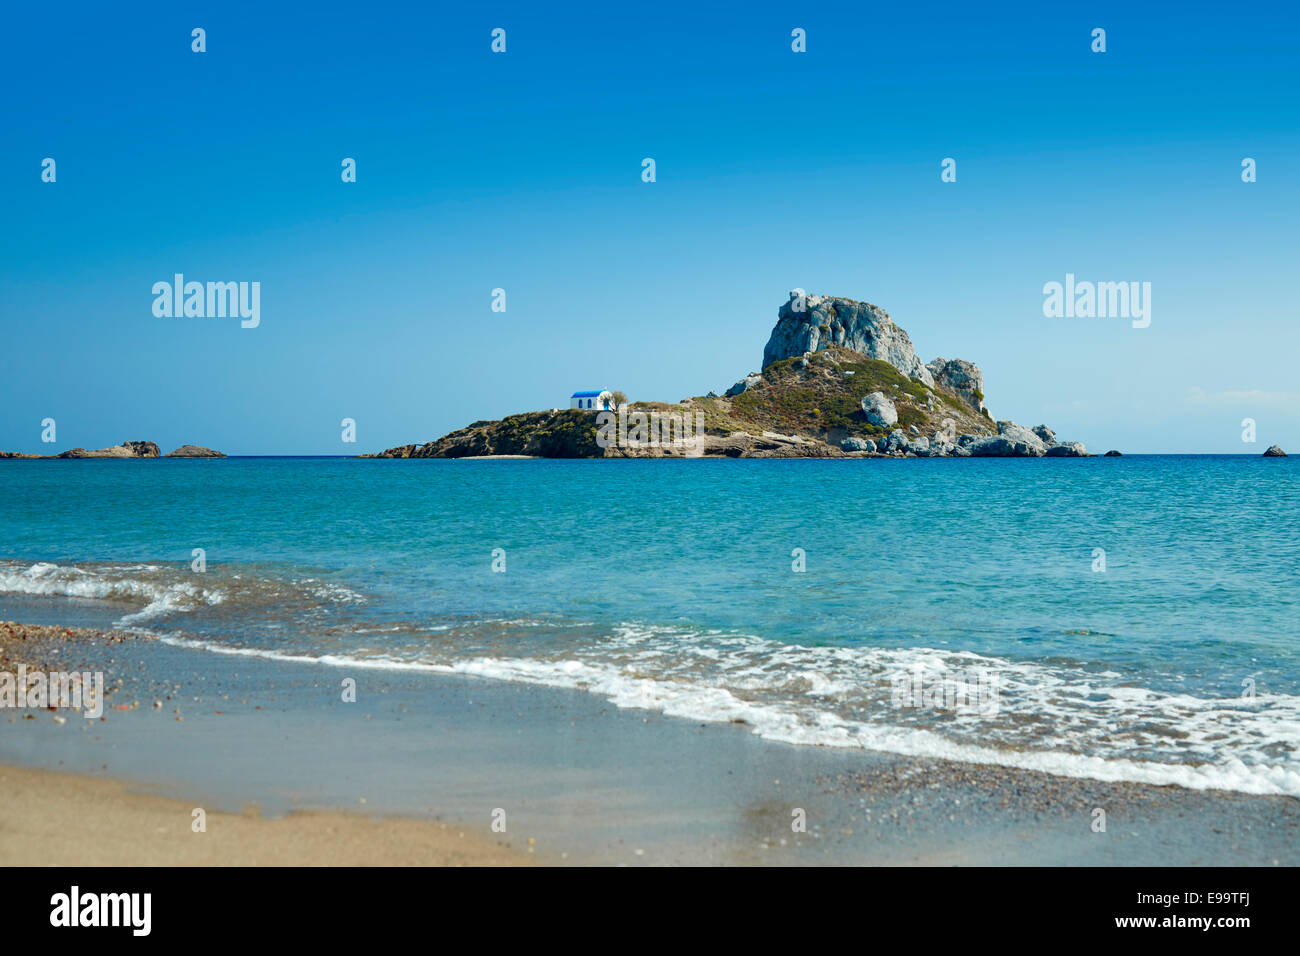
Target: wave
x,y
133,583
1047,720
1059,716
160,590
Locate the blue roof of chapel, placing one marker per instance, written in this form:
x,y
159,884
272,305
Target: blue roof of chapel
x,y
595,394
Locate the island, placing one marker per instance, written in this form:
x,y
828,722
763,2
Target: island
x,y
840,379
127,449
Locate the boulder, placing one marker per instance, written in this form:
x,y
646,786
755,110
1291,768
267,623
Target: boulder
x,y
879,410
1021,434
998,446
943,444
1046,434
1112,454
1274,451
963,378
858,444
1066,449
812,323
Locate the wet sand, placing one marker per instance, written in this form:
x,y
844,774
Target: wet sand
x,y
58,819
572,779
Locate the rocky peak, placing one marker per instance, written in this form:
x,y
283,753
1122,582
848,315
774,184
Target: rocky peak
x,y
813,323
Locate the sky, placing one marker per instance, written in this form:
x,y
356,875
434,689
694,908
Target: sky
x,y
522,171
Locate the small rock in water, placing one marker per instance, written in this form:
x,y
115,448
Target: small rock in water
x,y
1067,449
1274,451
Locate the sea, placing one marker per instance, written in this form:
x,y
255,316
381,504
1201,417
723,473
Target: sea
x,y
1131,618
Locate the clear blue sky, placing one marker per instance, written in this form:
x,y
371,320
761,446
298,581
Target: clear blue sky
x,y
523,171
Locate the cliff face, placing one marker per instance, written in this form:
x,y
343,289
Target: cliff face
x,y
812,323
964,379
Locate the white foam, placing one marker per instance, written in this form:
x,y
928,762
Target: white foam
x,y
126,583
1071,721
795,721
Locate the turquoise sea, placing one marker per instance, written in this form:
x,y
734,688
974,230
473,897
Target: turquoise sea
x,y
673,586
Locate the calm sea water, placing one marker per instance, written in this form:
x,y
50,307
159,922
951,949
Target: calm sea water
x,y
672,586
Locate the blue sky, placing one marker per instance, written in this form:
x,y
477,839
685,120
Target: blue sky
x,y
523,171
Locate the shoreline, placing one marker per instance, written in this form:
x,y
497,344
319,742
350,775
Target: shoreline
x,y
584,781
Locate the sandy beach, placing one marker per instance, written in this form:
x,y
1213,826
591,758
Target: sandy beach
x,y
59,819
287,772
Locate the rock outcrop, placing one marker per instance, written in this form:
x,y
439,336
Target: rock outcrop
x,y
998,446
128,449
193,451
746,383
564,433
1022,435
1274,451
858,444
1016,441
963,378
812,323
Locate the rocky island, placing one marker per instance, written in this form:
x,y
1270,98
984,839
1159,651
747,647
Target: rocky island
x,y
127,449
194,451
839,379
